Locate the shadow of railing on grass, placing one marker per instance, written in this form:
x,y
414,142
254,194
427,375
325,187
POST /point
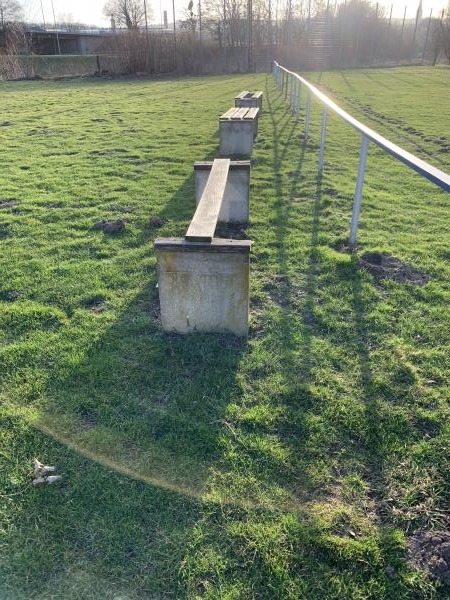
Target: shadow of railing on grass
x,y
299,356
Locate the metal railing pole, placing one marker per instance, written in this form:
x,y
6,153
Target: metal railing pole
x,y
358,192
308,111
323,135
291,97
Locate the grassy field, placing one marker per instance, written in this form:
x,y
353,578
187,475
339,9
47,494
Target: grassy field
x,y
296,465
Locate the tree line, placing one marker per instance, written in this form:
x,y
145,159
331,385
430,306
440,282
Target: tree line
x,y
300,33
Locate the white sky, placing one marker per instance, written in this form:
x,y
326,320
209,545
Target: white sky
x,y
91,11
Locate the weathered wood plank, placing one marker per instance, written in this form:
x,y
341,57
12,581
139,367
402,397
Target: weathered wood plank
x,y
240,112
203,224
229,114
252,113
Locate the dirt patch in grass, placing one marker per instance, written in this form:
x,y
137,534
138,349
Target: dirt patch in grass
x,y
96,303
8,203
430,552
384,266
156,221
111,226
11,295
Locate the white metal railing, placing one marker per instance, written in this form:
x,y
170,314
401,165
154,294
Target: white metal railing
x,y
291,84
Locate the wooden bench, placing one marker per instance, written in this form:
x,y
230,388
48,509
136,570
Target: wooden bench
x,y
238,129
203,281
235,203
249,100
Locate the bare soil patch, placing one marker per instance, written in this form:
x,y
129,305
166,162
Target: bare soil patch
x,y
8,203
156,221
111,226
384,266
430,552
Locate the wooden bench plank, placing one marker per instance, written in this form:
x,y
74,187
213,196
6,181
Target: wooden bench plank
x,y
236,113
203,224
240,112
229,114
252,113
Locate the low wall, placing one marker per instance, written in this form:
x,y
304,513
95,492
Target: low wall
x,y
46,67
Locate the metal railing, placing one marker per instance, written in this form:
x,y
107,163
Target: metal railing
x,y
291,85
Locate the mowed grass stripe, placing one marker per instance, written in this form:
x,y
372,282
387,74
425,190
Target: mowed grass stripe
x,y
293,466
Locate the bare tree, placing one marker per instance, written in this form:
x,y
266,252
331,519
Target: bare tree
x,y
127,13
10,12
445,37
191,20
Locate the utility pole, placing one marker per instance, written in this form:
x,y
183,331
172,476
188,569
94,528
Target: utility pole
x,y
403,26
174,34
145,15
146,35
276,23
43,16
224,35
200,34
250,32
57,34
418,15
426,37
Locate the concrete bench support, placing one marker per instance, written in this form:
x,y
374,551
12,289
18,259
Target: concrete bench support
x,y
235,203
238,128
204,286
204,281
248,99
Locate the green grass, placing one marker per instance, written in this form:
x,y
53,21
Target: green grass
x,y
294,465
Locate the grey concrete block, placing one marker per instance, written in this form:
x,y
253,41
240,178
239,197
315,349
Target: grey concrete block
x,y
235,204
249,100
236,137
204,286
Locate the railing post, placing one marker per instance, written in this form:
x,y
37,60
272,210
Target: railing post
x,y
358,192
299,94
323,135
308,111
296,97
290,91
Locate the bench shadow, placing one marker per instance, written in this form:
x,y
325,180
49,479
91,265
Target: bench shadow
x,y
98,528
152,400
